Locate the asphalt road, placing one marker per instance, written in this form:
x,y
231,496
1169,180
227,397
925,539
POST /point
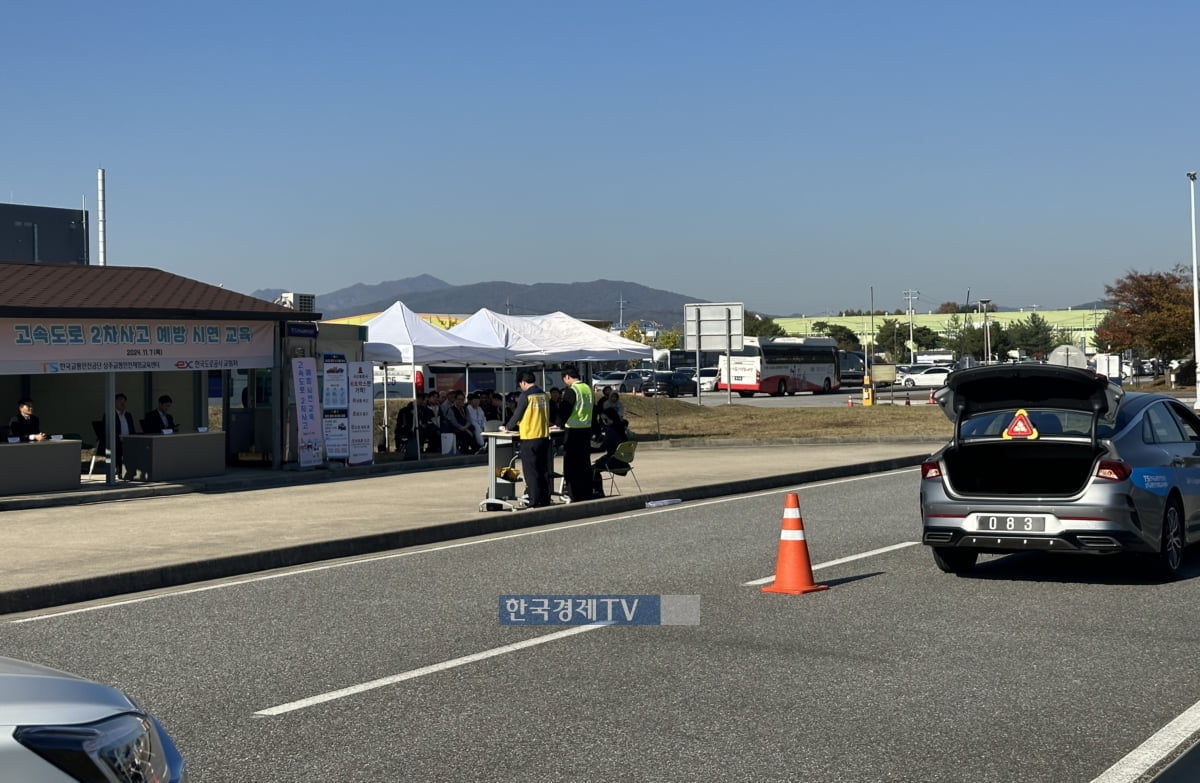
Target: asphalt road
x,y
1036,669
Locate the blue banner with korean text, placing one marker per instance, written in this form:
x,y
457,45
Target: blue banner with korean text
x,y
539,609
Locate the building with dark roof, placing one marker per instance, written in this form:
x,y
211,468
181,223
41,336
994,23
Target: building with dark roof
x,y
43,235
65,328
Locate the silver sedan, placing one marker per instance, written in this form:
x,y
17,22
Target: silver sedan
x,y
1058,459
59,728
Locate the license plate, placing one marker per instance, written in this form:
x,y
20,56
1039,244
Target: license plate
x,y
1011,523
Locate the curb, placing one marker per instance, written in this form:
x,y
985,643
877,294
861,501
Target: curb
x,y
47,596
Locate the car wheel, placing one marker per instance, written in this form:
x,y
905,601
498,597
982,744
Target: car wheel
x,y
672,392
782,389
952,560
826,387
909,382
624,390
1170,551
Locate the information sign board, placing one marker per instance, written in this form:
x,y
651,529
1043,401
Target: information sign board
x,y
713,326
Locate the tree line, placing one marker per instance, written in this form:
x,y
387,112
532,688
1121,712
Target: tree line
x,y
1149,313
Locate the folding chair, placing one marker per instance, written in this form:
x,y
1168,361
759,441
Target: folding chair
x,y
624,453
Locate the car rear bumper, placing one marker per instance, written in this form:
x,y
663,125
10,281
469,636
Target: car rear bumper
x,y
1072,541
1095,524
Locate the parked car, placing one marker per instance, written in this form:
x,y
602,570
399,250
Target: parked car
x,y
624,382
708,378
670,384
932,375
1059,459
56,727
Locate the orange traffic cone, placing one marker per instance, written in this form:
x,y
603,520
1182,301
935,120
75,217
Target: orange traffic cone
x,y
850,401
793,571
931,400
907,401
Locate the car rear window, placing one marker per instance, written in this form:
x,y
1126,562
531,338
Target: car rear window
x,y
1047,421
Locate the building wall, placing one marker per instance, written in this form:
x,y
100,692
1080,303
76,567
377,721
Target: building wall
x,y
43,235
1079,323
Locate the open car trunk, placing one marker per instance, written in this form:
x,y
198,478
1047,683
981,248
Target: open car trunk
x,y
1024,430
1017,467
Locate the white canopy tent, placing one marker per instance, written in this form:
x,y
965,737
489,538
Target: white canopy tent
x,y
585,343
518,338
400,336
548,338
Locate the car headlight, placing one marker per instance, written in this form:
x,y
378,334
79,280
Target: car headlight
x,y
126,748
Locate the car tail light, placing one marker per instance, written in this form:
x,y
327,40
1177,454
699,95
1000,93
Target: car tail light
x,y
419,382
931,470
1113,470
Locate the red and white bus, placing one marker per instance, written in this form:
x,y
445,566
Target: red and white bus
x,y
782,365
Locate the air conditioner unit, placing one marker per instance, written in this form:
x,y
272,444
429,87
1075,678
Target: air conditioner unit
x,y
303,303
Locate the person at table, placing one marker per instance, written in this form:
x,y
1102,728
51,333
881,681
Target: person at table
x,y
160,419
25,425
531,419
125,427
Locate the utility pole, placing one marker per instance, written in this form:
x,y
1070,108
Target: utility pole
x,y
910,295
621,311
987,335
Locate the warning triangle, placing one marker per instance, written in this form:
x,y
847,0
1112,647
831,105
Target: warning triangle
x,y
1020,427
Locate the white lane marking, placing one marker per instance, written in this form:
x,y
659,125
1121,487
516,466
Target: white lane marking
x,y
840,560
1138,761
299,570
383,682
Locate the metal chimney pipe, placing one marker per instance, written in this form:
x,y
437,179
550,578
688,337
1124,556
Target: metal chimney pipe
x,y
100,214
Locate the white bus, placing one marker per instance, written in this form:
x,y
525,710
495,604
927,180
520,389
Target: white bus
x,y
443,378
399,380
782,365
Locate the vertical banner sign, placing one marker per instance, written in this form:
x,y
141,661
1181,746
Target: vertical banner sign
x,y
362,412
335,403
311,447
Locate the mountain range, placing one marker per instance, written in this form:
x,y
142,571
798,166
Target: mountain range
x,y
614,301
599,300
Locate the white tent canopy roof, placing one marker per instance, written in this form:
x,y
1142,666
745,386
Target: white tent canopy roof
x,y
547,338
505,333
589,343
398,335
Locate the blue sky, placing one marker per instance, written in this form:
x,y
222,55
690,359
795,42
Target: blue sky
x,y
789,155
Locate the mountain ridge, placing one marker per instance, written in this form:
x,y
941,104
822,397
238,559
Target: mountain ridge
x,y
597,300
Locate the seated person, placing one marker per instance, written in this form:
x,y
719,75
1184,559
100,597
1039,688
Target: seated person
x,y
430,423
600,403
492,404
25,425
456,421
160,418
614,401
614,435
477,417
